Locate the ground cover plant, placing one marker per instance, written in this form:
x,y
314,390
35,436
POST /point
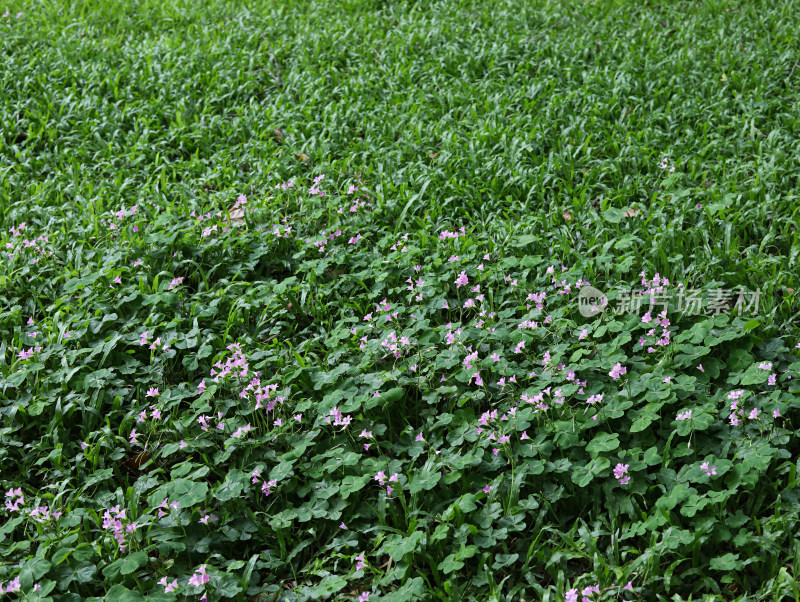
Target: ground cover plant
x,y
290,300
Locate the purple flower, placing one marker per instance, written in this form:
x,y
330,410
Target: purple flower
x,y
620,473
617,371
571,595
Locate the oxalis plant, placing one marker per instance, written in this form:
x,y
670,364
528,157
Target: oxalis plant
x,y
394,416
384,301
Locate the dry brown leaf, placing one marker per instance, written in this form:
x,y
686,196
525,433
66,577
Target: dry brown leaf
x,y
567,215
278,135
301,157
237,216
631,212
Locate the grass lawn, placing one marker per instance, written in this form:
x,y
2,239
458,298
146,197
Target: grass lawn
x,y
294,300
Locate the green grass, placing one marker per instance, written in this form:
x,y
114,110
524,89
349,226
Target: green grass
x,y
536,126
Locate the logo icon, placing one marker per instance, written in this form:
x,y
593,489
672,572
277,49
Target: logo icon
x,y
591,301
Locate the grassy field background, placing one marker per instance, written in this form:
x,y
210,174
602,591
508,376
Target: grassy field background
x,y
161,275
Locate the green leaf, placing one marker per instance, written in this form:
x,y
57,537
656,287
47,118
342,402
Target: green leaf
x,y
755,376
582,475
612,215
120,593
351,484
398,547
235,482
603,442
33,570
133,562
186,492
426,480
728,562
524,241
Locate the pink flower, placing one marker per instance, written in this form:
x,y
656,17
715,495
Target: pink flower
x,y
420,437
620,473
342,526
152,392
462,280
175,282
571,595
617,371
700,367
200,577
13,585
241,431
487,489
708,469
684,415
363,597
629,586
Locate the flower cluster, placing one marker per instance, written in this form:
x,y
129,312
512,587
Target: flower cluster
x,y
572,595
41,514
168,587
338,418
708,469
113,520
235,365
665,163
165,506
447,234
621,473
14,585
241,431
200,577
14,499
204,421
617,371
